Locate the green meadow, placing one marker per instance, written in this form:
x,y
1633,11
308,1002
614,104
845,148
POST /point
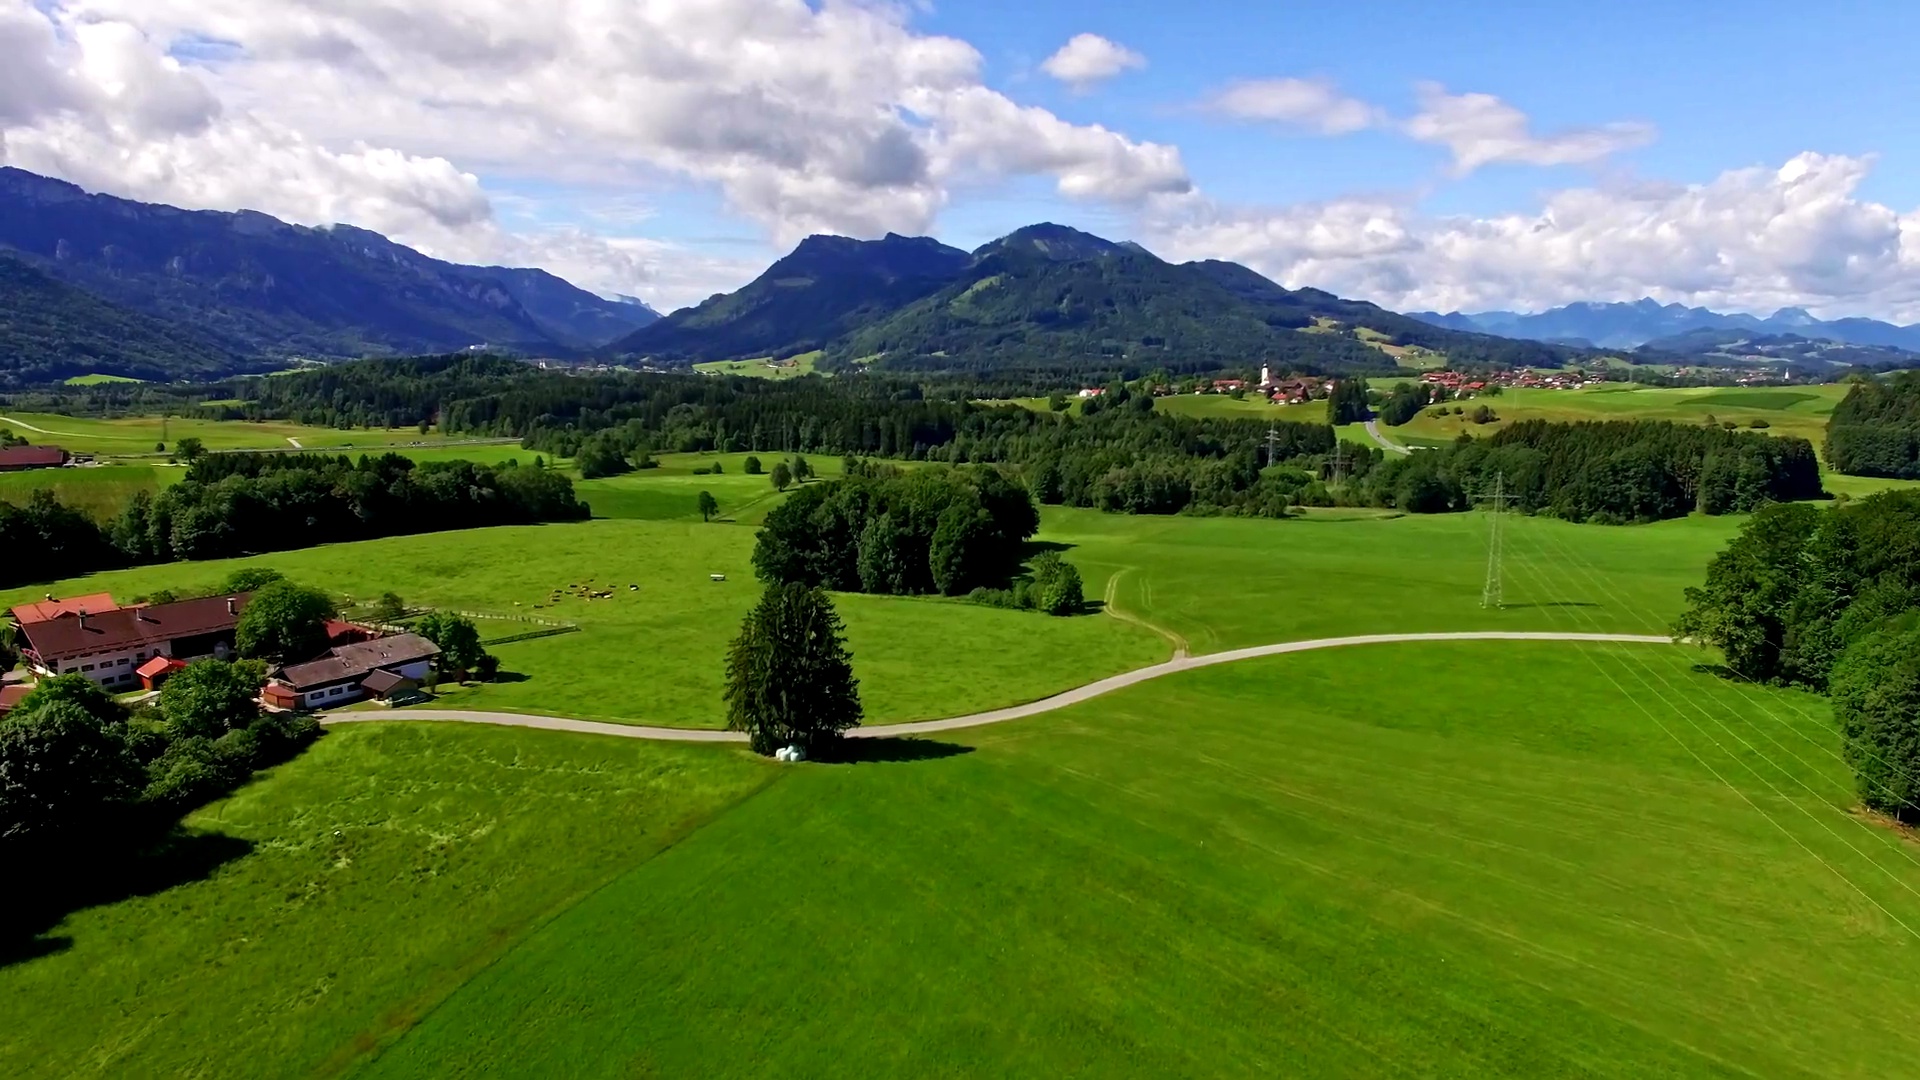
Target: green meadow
x,y
137,436
98,490
764,367
1786,410
653,655
1471,859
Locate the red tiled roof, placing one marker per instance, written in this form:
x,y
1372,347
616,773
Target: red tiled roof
x,y
11,696
31,457
127,628
53,609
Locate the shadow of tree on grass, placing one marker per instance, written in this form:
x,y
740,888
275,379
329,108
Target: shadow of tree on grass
x,y
48,888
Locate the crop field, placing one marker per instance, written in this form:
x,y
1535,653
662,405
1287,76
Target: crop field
x,y
1786,410
654,655
1486,859
763,368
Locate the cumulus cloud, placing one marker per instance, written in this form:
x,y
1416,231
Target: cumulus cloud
x,y
1089,59
1752,239
1314,104
836,117
1480,129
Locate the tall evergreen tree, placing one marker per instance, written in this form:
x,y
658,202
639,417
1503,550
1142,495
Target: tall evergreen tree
x,y
789,674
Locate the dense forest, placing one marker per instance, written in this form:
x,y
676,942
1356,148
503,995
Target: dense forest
x,y
234,504
1830,599
1875,430
51,331
1604,472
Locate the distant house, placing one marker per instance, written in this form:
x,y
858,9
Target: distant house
x,y
11,696
111,645
342,676
20,458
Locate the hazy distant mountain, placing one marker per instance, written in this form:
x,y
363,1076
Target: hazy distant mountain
x,y
259,287
1710,345
1630,325
1045,297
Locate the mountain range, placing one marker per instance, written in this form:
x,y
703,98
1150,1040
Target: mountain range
x,y
1631,325
1045,298
196,292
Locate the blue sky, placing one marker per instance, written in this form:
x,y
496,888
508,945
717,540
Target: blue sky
x,y
1495,154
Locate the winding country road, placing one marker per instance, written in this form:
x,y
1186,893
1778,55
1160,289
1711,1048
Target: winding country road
x,y
1373,429
997,716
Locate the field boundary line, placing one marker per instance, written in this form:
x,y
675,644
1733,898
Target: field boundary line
x,y
996,716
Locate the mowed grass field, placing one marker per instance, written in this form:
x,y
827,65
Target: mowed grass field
x,y
1463,859
655,655
1227,583
101,491
349,892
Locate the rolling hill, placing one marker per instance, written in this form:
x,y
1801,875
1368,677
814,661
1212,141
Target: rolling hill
x,y
257,288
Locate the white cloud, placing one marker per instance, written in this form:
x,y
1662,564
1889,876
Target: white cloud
x,y
1089,59
835,118
1480,129
1751,239
1314,104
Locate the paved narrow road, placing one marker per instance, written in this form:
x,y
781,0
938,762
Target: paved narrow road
x,y
997,716
1373,429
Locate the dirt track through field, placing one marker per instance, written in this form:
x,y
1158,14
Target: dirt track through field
x,y
996,716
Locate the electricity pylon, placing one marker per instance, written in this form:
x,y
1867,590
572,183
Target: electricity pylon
x,y
1493,594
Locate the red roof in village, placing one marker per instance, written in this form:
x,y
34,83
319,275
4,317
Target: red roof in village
x,y
53,609
127,628
32,457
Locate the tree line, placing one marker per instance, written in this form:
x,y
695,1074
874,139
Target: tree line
x,y
1606,472
235,504
1829,599
1875,430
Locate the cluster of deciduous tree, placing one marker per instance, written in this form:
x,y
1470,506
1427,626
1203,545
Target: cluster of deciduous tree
x,y
1830,599
1052,584
1875,430
1405,403
1612,472
933,530
1347,403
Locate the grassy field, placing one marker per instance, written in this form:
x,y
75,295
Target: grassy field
x,y
1787,410
655,655
1379,861
354,888
673,490
101,491
100,380
137,436
764,368
1225,583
